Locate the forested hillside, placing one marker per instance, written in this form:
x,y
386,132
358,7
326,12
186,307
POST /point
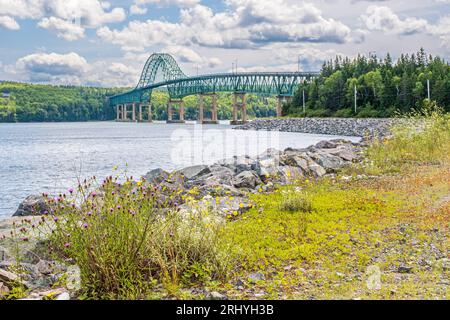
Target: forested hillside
x,y
382,86
21,102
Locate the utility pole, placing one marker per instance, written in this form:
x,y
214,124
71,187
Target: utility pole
x,y
232,67
298,63
304,108
355,98
236,65
428,89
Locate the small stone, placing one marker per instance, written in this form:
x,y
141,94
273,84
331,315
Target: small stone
x,y
4,290
63,296
44,267
8,277
214,295
404,269
3,254
256,276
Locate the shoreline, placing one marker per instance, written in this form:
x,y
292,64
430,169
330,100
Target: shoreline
x,y
357,127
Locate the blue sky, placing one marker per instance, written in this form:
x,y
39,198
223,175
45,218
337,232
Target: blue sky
x,y
106,43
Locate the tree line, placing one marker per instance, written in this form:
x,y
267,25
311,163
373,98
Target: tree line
x,y
20,102
377,87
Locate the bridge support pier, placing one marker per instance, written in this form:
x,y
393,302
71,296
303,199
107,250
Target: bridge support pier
x,y
133,112
280,100
236,106
124,113
180,111
201,112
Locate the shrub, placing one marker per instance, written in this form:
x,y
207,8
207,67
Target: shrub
x,y
128,237
295,202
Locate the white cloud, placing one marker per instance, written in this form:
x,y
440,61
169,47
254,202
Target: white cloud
x,y
167,3
63,28
246,24
184,54
135,9
381,18
9,23
73,69
61,16
53,67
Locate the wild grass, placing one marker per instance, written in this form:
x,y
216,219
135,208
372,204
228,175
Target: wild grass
x,y
128,238
423,139
295,202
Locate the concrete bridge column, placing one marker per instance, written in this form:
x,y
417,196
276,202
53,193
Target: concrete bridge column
x,y
124,113
150,118
279,106
244,108
169,112
140,112
117,112
182,110
214,108
234,107
200,109
133,112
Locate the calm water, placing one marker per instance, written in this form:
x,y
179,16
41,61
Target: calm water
x,y
48,157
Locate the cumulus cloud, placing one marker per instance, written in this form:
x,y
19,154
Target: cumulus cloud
x,y
57,15
167,3
135,9
73,69
53,64
382,18
9,23
246,24
63,28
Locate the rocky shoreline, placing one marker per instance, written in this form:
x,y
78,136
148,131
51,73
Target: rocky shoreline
x,y
358,127
222,188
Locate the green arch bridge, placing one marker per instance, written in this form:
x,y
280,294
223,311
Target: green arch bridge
x,y
179,85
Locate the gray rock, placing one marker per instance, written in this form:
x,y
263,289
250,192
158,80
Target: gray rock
x,y
328,161
156,175
194,171
214,295
256,276
31,206
3,254
316,170
4,290
246,179
404,269
63,296
291,174
325,144
44,267
9,278
345,153
366,128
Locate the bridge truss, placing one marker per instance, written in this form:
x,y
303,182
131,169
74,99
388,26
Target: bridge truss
x,y
179,85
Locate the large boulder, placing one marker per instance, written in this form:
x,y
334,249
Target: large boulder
x,y
328,161
194,171
238,163
246,179
326,144
291,174
345,153
217,176
156,176
32,205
